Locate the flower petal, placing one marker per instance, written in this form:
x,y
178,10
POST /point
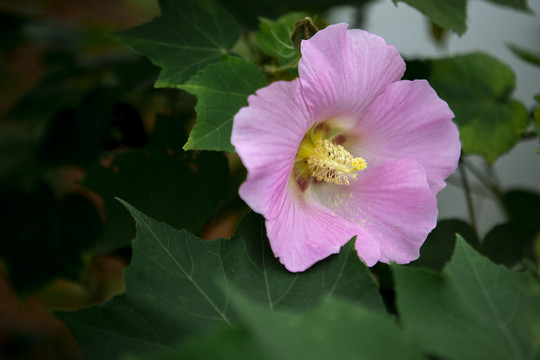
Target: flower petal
x,y
305,232
410,121
392,202
342,70
266,136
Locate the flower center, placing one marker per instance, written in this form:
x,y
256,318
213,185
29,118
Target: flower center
x,y
333,164
324,160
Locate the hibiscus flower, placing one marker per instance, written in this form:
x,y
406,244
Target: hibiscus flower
x,y
347,149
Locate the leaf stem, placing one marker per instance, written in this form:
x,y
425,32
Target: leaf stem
x,y
285,45
490,185
468,195
272,70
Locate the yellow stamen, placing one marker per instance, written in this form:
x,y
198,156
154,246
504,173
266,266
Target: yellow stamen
x,y
332,163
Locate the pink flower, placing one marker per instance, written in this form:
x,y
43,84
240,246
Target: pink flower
x,y
347,149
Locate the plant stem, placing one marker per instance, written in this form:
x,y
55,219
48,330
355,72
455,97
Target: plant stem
x,y
468,195
483,179
489,184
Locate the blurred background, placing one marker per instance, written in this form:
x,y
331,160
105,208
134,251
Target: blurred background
x,y
80,123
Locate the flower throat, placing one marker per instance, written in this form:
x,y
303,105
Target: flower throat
x,y
324,160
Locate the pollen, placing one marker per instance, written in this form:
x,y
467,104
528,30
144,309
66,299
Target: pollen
x,y
333,164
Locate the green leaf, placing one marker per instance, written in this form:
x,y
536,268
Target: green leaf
x,y
180,188
478,88
439,245
259,276
529,56
335,329
170,292
274,37
516,4
449,14
473,310
226,343
188,36
221,89
174,288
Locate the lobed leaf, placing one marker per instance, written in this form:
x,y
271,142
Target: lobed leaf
x,y
335,329
260,277
188,36
178,286
473,310
221,89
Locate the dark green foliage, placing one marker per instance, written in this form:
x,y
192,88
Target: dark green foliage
x,y
95,115
43,237
342,276
183,294
353,332
162,180
179,285
188,36
474,309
